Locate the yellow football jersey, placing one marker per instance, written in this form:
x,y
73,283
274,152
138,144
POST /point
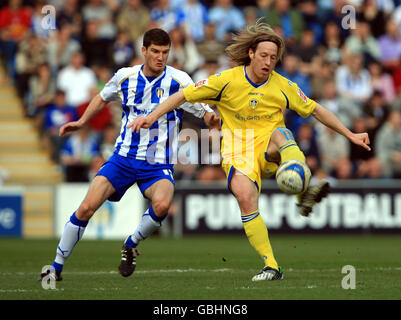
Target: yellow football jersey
x,y
249,112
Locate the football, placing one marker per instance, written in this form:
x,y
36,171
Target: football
x,y
293,177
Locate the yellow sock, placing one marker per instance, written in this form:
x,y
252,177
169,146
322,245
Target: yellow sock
x,y
291,151
258,236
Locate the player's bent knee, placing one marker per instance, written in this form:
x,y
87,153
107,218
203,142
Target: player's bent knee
x,y
160,207
85,211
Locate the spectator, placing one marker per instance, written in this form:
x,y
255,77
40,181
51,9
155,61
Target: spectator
x,y
76,80
184,51
307,51
345,109
382,81
323,74
133,19
102,74
388,146
123,50
335,15
37,20
262,6
365,164
306,140
61,48
396,16
376,110
195,19
250,14
80,155
374,16
386,6
42,89
353,80
309,11
99,12
226,17
31,54
362,41
166,17
289,19
334,150
324,9
54,117
71,15
210,48
15,20
390,46
97,50
209,68
177,4
332,42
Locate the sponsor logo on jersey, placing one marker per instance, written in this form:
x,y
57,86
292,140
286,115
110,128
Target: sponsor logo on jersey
x,y
302,95
201,83
256,117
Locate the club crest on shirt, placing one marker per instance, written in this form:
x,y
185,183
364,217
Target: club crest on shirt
x,y
253,103
302,95
159,92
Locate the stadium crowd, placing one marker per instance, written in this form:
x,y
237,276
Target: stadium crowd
x,y
352,69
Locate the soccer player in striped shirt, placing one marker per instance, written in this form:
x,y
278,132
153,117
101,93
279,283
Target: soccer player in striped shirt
x,y
251,98
145,158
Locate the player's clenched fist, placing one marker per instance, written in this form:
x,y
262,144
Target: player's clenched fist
x,y
361,139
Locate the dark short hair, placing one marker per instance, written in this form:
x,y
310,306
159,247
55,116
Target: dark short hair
x,y
156,36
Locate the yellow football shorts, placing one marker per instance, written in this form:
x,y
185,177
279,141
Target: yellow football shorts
x,y
254,165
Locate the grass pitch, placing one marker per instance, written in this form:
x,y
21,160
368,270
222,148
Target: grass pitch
x,y
207,267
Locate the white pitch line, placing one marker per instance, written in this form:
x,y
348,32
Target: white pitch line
x,y
19,273
115,272
15,290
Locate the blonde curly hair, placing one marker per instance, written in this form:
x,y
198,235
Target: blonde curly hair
x,y
249,38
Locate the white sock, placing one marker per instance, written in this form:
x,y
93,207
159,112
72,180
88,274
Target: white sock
x,y
73,232
150,223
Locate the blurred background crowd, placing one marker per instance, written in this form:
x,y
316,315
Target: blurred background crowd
x,y
354,72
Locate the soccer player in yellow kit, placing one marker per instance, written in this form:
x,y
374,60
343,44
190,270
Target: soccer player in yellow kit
x,y
251,99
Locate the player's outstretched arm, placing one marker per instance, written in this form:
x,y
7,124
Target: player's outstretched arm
x,y
330,120
96,104
171,103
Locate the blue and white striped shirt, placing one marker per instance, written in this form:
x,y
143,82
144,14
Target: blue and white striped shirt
x,y
140,96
